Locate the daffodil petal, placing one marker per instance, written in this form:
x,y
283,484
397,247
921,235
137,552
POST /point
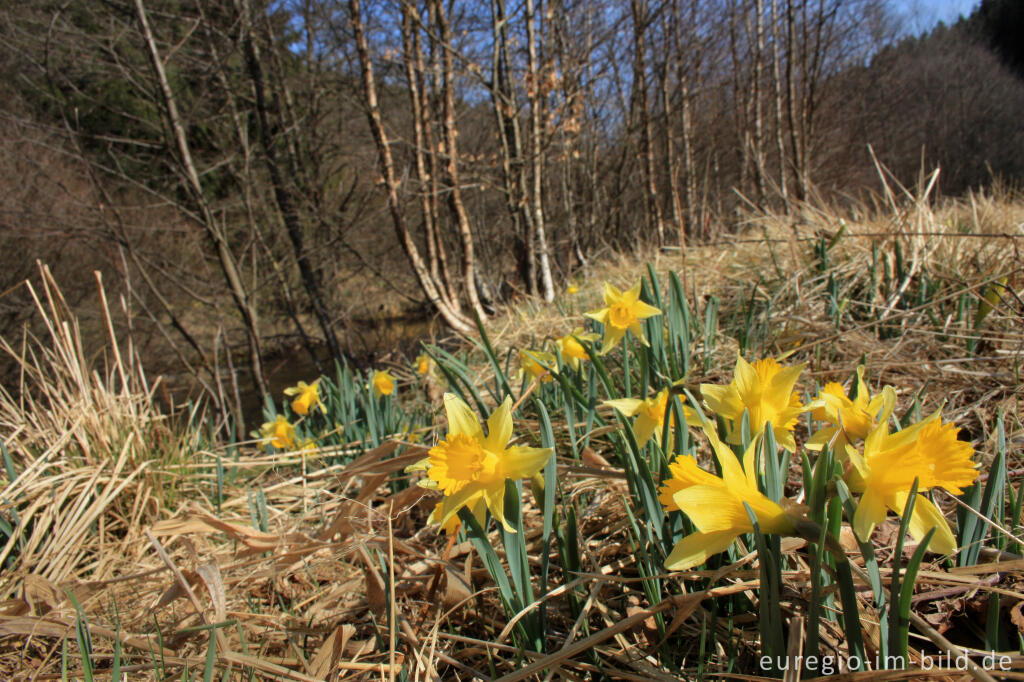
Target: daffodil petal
x,y
820,438
632,295
523,462
638,331
732,472
696,548
870,513
612,336
478,508
925,517
421,465
499,427
781,386
627,406
888,404
461,419
784,437
645,428
645,310
495,497
611,293
721,399
469,495
747,382
863,394
713,508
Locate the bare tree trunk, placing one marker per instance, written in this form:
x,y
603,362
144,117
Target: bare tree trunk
x,y
421,120
225,258
741,95
431,111
572,115
247,182
536,93
672,158
759,168
451,133
777,83
642,110
688,165
506,111
690,184
794,133
286,203
420,269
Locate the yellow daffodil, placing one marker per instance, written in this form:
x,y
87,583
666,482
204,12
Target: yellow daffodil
x,y
715,505
571,347
765,389
279,433
650,415
308,397
471,468
383,383
531,367
928,451
423,364
623,311
572,289
850,420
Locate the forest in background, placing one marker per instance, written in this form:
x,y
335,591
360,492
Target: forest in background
x,y
251,175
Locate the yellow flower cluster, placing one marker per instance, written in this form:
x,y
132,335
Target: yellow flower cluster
x,y
883,470
469,467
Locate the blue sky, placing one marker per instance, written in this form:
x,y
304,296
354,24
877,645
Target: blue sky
x,y
921,15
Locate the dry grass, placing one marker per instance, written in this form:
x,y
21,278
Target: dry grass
x,y
118,507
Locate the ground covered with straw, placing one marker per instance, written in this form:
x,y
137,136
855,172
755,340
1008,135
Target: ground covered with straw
x,y
143,545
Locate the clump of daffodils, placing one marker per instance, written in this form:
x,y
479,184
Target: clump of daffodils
x,y
883,465
472,462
